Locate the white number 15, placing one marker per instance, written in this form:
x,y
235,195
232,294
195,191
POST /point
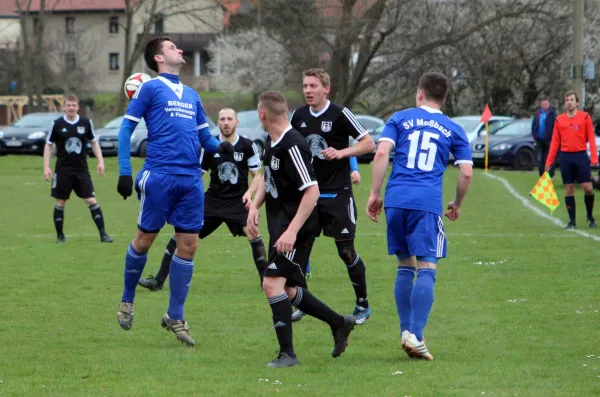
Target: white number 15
x,y
426,153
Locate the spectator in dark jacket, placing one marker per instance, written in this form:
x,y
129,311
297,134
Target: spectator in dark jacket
x,y
541,129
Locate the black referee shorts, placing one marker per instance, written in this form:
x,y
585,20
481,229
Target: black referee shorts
x,y
575,167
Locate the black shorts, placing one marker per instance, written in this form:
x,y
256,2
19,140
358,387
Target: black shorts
x,y
289,265
232,212
575,167
65,182
337,216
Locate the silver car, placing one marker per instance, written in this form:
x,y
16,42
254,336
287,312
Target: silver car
x,y
108,137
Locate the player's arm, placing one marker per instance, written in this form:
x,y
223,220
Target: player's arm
x,y
354,171
554,146
387,142
136,109
253,156
461,149
302,173
91,136
592,140
253,213
357,131
48,152
207,141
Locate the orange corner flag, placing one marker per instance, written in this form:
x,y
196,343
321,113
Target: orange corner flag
x,y
544,192
486,115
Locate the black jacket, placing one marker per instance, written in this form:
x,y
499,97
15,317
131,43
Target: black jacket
x,y
548,125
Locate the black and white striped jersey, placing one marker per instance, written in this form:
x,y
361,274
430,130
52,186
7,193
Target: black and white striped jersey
x,y
287,173
331,127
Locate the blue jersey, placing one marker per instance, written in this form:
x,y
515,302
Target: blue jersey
x,y
423,139
176,127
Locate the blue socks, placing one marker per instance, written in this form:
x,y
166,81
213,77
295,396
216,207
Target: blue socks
x,y
403,289
180,277
421,301
134,266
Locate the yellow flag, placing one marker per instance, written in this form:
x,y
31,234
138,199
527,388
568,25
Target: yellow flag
x,y
544,192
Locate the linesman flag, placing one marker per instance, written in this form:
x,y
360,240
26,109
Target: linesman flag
x,y
544,192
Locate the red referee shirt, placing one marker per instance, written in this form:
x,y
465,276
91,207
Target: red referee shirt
x,y
572,134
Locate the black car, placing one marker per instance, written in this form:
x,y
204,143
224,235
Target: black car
x,y
512,145
28,135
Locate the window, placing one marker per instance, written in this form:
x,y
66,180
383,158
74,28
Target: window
x,y
36,25
159,24
70,25
113,61
70,62
113,25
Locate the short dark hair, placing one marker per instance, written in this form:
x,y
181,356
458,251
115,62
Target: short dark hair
x,y
71,98
274,102
153,48
569,93
435,86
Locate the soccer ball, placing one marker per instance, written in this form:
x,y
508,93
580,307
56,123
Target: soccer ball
x,y
134,82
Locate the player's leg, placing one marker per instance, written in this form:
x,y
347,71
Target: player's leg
x,y
155,283
539,151
427,240
568,171
180,278
187,217
258,249
60,191
342,227
405,274
153,192
585,178
84,188
304,300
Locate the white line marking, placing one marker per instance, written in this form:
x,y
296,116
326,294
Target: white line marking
x,y
535,209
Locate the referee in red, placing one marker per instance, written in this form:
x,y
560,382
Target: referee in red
x,y
573,130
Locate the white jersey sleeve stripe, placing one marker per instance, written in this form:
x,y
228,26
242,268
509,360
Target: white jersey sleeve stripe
x,y
299,164
354,121
202,126
93,132
390,140
48,141
131,118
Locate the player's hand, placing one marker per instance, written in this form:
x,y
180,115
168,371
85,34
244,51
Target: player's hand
x,y
355,175
252,222
548,168
125,186
374,206
247,200
225,147
100,169
286,242
48,174
595,165
332,154
453,211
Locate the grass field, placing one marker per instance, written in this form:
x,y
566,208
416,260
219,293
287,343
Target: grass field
x,y
516,309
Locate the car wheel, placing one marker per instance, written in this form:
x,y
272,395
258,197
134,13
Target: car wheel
x,y
261,147
524,160
143,147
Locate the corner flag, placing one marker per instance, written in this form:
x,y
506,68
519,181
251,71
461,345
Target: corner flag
x,y
486,115
544,192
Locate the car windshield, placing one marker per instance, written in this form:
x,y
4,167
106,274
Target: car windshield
x,y
515,129
467,124
36,120
114,123
248,119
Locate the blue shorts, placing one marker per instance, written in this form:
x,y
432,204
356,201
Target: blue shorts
x,y
575,167
415,233
174,199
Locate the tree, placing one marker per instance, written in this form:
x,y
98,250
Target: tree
x,y
249,61
140,19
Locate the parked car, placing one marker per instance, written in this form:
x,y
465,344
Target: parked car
x,y
370,123
512,145
474,127
108,137
251,128
28,135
